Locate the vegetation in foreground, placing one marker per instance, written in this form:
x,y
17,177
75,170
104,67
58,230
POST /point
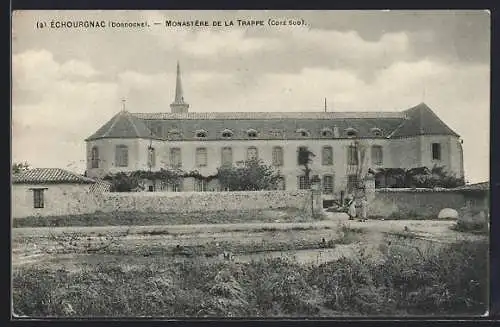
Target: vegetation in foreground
x,y
443,281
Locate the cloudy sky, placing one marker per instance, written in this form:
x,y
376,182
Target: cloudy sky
x,y
69,82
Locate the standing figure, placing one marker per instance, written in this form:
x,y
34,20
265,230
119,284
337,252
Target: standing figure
x,y
364,209
352,208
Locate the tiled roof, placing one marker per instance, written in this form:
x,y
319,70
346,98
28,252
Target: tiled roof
x,y
49,176
273,125
422,121
100,186
266,115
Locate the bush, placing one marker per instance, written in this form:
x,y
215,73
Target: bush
x,y
445,280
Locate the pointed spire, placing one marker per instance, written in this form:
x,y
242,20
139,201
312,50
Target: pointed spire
x,y
179,97
179,105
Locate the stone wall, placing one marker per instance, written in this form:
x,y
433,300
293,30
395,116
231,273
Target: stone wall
x,y
59,200
204,201
414,202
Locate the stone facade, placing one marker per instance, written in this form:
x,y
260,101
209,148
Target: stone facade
x,y
417,152
405,138
58,200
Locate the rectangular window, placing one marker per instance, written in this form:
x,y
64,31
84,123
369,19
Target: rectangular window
x,y
175,157
227,156
301,155
95,157
377,155
151,157
303,184
252,153
328,184
38,201
327,156
277,156
436,151
201,157
352,155
121,156
176,186
352,181
200,185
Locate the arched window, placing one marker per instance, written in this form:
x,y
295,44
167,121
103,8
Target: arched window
x,y
327,156
94,157
377,132
252,133
326,132
201,133
174,134
303,132
121,156
277,156
227,133
276,133
351,132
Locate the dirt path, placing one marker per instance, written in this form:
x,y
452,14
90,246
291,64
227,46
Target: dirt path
x,y
431,227
28,243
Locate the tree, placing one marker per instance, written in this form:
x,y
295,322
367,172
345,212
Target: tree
x,y
421,177
438,176
251,175
122,182
305,159
126,182
19,167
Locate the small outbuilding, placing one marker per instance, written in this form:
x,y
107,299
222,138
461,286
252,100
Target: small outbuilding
x,y
54,192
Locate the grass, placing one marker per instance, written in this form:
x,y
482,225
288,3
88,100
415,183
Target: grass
x,y
444,280
146,218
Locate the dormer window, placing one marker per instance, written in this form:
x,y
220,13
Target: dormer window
x,y
377,132
275,132
201,133
303,132
227,133
252,133
351,132
326,132
174,133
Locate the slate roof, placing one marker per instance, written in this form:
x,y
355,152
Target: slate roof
x,y
273,125
421,120
49,176
122,125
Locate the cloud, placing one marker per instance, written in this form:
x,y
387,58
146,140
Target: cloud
x,y
57,103
55,106
225,43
